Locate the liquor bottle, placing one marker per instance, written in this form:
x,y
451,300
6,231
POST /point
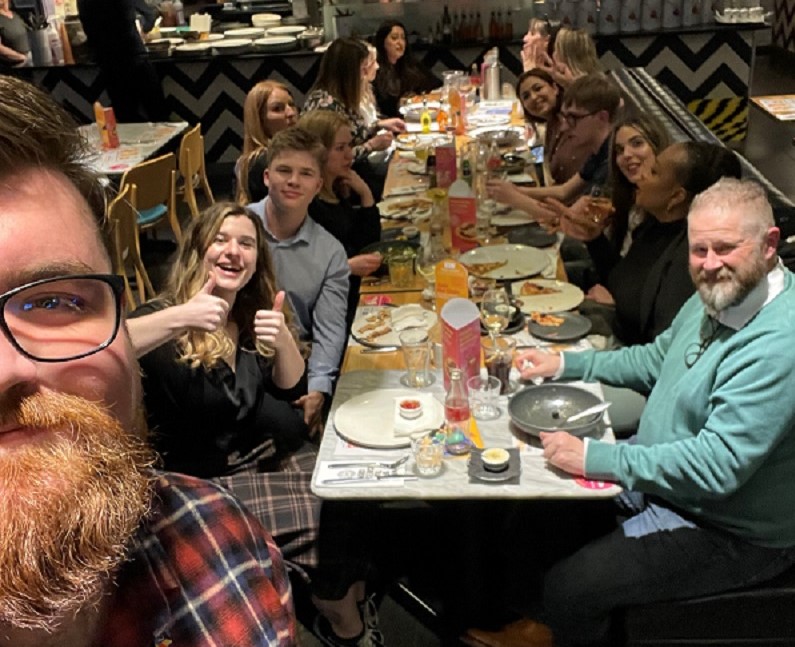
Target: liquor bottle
x,y
479,32
447,27
508,29
425,116
473,27
456,28
456,414
442,118
438,37
500,26
493,35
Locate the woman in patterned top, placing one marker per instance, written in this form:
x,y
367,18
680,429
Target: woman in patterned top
x,y
340,87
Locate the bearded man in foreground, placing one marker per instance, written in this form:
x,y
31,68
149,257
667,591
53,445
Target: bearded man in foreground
x,y
96,547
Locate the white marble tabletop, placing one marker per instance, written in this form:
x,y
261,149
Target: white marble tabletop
x,y
537,480
137,143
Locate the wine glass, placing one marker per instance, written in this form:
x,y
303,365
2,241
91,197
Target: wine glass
x,y
600,204
495,311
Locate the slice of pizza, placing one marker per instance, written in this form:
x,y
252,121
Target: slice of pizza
x,y
530,289
546,319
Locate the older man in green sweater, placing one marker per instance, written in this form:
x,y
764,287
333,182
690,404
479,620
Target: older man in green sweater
x,y
710,476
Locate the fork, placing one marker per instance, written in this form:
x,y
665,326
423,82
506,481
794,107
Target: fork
x,y
389,465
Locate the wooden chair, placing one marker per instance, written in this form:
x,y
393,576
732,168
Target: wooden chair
x,y
155,196
126,248
192,169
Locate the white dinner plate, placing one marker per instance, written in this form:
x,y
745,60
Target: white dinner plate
x,y
245,32
513,218
520,261
411,316
566,297
405,208
286,30
367,419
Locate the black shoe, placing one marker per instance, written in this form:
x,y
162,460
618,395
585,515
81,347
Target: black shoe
x,y
368,638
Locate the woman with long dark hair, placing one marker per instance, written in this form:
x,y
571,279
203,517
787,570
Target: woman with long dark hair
x,y
399,73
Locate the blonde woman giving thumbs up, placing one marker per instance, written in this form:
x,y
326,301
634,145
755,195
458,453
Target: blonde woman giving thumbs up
x,y
221,367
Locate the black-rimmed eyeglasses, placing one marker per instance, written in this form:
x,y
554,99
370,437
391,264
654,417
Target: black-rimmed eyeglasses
x,y
572,120
64,317
708,333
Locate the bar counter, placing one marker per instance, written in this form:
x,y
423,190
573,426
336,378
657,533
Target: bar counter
x,y
708,68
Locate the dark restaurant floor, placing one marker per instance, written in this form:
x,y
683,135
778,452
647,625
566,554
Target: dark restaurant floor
x,y
768,146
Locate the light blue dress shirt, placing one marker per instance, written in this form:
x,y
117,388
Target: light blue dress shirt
x,y
312,268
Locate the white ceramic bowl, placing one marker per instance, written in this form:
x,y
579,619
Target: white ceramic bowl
x,y
495,459
410,408
266,19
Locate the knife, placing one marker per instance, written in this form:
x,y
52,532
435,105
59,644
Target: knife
x,y
382,349
374,479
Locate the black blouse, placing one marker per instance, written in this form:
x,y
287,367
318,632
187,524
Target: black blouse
x,y
215,422
355,228
652,281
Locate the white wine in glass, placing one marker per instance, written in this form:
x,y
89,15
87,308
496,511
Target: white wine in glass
x,y
495,310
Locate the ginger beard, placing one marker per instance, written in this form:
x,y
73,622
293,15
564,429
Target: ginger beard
x,y
69,506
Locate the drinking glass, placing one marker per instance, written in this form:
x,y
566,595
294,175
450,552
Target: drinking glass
x,y
600,204
416,348
483,394
498,355
495,310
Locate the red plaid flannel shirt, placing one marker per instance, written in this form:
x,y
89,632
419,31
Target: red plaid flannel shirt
x,y
202,572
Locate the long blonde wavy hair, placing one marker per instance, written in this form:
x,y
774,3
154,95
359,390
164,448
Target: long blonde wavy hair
x,y
188,274
255,136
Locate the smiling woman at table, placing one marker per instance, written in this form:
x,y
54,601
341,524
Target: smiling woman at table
x,y
221,365
269,109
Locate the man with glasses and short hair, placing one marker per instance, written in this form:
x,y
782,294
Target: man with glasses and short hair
x,y
590,107
709,481
98,547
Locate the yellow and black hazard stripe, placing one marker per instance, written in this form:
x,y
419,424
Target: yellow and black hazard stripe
x,y
727,118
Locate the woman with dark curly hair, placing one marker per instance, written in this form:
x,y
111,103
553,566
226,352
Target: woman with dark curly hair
x,y
399,73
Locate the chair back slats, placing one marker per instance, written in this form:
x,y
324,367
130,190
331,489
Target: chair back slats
x,y
126,248
155,183
192,169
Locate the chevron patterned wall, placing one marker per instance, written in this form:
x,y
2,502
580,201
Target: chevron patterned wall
x,y
784,24
707,70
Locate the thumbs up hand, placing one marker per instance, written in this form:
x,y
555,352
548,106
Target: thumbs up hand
x,y
270,326
205,311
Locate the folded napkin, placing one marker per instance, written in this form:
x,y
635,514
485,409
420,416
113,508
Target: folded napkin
x,y
409,316
427,420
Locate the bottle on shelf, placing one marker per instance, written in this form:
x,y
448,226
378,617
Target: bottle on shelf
x,y
438,37
425,116
456,415
508,30
447,27
456,27
479,35
493,27
500,26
